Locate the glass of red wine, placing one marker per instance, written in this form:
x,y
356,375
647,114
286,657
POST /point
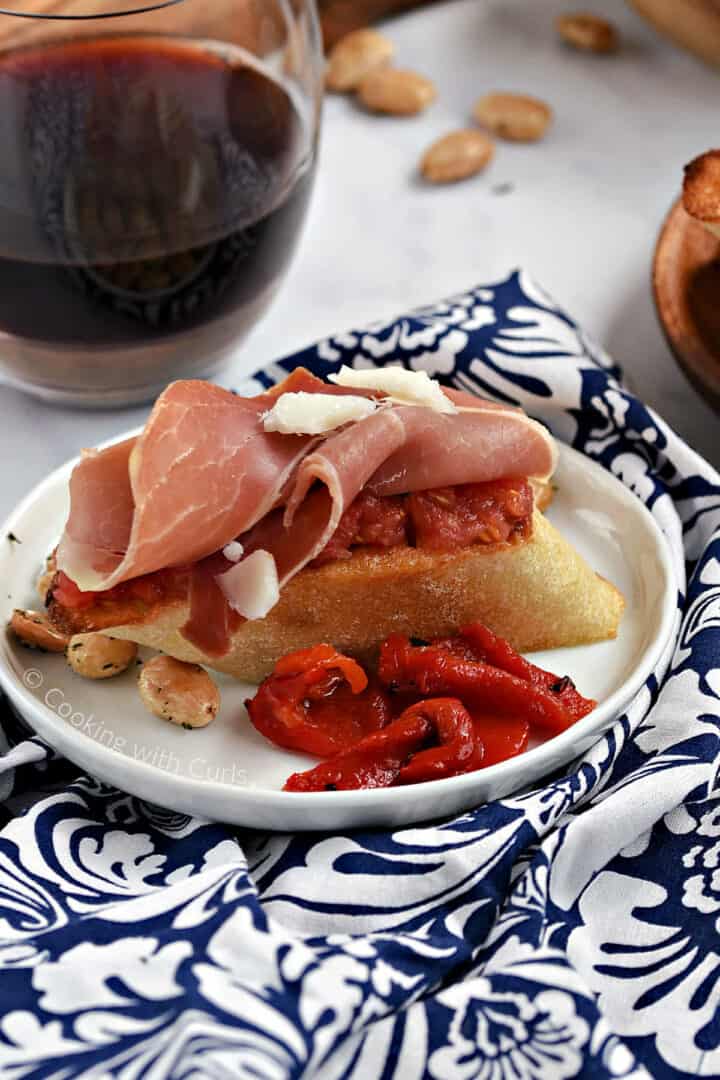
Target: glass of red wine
x,y
157,161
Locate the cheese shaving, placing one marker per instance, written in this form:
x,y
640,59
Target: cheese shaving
x,y
233,551
400,385
314,414
251,587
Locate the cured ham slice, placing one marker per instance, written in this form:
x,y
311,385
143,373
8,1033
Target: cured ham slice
x,y
205,472
397,450
202,472
476,444
326,483
102,509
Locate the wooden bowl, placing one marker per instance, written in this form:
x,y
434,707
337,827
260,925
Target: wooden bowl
x,y
686,283
693,24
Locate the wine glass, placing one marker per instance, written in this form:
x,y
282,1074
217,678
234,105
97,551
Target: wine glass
x,y
157,164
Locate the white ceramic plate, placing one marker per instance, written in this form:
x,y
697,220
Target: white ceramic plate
x,y
231,773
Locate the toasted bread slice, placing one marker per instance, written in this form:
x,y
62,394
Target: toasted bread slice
x,y
539,594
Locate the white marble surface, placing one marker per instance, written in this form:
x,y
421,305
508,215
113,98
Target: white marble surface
x,y
582,216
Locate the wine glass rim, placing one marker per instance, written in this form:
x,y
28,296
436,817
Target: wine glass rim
x,y
141,8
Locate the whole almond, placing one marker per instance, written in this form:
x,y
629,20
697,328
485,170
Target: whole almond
x,y
400,93
588,32
353,56
457,156
513,116
34,629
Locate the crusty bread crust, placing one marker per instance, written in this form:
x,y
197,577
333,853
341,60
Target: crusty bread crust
x,y
539,594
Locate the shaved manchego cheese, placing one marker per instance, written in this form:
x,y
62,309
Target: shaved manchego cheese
x,y
251,587
401,385
314,414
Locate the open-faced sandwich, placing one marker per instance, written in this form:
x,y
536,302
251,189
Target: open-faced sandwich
x,y
235,530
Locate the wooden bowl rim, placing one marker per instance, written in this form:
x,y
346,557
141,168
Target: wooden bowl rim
x,y
700,363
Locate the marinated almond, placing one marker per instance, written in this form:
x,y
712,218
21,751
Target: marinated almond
x,y
457,156
517,117
399,93
354,56
182,693
33,628
588,32
95,656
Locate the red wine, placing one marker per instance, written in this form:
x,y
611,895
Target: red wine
x,y
148,186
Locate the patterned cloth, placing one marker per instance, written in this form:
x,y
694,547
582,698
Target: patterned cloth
x,y
569,931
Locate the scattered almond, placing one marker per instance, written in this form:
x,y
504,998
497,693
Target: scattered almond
x,y
457,156
353,56
514,116
33,628
400,93
591,33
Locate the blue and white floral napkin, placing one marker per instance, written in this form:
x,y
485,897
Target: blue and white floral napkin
x,y
570,931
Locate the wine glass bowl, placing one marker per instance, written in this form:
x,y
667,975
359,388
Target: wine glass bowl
x,y
157,176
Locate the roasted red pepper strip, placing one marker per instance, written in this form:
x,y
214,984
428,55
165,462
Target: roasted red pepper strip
x,y
433,670
373,762
459,749
399,754
319,702
492,649
303,661
502,737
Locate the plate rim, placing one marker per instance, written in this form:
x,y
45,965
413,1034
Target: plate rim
x,y
47,724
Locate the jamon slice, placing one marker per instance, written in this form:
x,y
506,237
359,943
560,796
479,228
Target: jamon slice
x,y
205,472
202,472
397,450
